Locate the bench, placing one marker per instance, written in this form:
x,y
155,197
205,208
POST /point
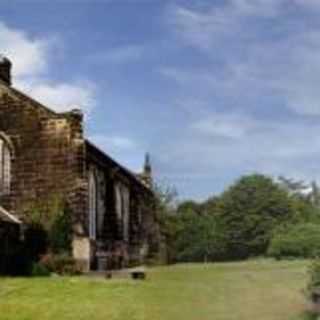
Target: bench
x,y
138,274
134,273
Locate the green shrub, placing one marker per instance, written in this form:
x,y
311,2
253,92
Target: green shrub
x,y
314,275
313,289
39,270
61,264
199,239
60,233
297,241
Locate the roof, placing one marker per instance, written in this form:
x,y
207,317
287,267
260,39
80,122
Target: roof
x,y
8,217
113,163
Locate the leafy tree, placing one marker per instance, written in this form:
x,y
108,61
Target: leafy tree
x,y
210,206
164,207
304,211
305,199
237,224
250,209
199,238
315,194
189,206
293,187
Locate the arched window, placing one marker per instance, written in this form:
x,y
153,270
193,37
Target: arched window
x,y
5,167
92,205
123,208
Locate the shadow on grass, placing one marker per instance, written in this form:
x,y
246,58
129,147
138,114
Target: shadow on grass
x,y
308,315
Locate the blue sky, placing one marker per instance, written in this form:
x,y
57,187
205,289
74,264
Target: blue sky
x,y
212,89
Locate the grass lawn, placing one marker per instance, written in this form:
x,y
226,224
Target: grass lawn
x,y
254,290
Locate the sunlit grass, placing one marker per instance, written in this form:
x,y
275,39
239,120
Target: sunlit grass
x,y
253,290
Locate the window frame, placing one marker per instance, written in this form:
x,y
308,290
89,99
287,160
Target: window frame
x,y
6,157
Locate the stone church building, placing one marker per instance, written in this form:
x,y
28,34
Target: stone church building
x,y
44,156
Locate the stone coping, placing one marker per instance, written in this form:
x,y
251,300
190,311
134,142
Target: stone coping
x,y
8,217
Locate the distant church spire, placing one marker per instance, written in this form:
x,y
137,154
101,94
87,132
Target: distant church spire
x,y
147,171
147,164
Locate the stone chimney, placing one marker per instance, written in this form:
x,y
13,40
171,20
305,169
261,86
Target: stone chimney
x,y
5,70
77,113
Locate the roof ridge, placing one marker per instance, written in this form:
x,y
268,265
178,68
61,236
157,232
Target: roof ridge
x,y
129,172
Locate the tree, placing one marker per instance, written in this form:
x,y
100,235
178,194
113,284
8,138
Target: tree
x,y
315,194
250,209
189,206
305,199
199,238
293,187
164,207
210,206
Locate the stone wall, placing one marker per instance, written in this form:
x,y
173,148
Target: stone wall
x,y
47,158
112,239
51,161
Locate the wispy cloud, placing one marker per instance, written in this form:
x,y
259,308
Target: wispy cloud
x,y
32,58
223,148
119,55
314,4
235,126
114,142
29,55
249,81
284,61
62,96
218,88
123,148
211,24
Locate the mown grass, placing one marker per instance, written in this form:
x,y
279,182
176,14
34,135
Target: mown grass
x,y
253,290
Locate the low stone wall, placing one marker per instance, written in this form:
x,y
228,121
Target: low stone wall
x,y
82,252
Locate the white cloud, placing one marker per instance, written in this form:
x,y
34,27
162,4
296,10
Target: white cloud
x,y
119,55
271,147
224,125
264,8
114,142
122,148
62,96
206,28
252,64
32,58
283,62
28,55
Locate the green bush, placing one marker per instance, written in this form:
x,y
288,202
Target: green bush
x,y
298,241
39,270
313,289
199,239
314,275
61,264
60,233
